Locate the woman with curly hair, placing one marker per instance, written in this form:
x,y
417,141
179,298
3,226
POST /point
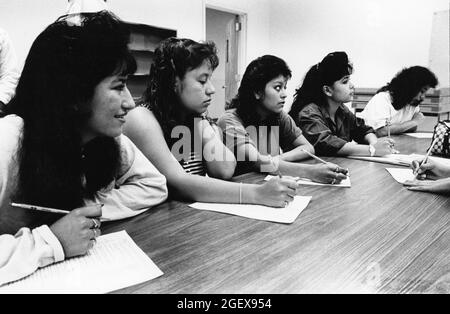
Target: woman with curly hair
x,y
173,131
398,102
62,146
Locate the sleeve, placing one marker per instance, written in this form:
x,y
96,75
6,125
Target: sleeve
x,y
377,110
139,187
289,132
358,128
318,133
22,254
234,133
9,71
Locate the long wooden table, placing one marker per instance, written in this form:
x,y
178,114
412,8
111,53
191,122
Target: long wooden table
x,y
375,237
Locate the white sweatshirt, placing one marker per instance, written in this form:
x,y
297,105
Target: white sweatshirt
x,y
141,187
9,70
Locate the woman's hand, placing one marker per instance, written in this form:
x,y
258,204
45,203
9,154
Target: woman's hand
x,y
277,192
385,146
440,186
431,169
78,230
328,173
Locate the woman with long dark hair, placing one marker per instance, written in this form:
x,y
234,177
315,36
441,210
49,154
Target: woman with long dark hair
x,y
173,118
319,110
257,128
397,103
62,146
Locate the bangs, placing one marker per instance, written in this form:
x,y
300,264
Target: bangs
x,y
126,66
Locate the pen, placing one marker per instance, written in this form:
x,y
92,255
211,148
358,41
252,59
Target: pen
x,y
415,172
40,208
314,156
388,125
47,209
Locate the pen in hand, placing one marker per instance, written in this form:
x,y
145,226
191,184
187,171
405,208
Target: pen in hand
x,y
424,161
50,210
345,172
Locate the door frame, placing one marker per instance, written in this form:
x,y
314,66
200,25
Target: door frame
x,y
242,35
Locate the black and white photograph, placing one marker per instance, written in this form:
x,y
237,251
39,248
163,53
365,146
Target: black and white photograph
x,y
224,152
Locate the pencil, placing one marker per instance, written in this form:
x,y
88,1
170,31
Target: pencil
x,y
48,209
426,157
40,208
314,156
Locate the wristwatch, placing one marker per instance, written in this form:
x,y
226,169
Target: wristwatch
x,y
372,150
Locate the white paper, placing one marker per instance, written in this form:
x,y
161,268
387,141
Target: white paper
x,y
402,175
420,135
283,215
114,263
344,183
394,159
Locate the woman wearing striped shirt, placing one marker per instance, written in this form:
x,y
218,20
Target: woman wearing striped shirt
x,y
171,128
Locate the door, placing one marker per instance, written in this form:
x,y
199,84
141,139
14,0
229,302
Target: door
x,y
221,28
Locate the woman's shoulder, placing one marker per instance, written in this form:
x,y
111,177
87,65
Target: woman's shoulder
x,y
380,98
229,118
309,109
10,127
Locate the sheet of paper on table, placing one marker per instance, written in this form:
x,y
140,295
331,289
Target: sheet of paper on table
x,y
285,215
344,184
114,263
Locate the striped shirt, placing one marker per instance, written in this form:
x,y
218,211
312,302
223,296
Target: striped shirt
x,y
194,164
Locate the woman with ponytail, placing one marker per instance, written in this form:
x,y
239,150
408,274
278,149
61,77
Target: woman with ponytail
x,y
319,110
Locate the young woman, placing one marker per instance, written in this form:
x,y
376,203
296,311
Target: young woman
x,y
398,102
62,146
173,131
258,127
432,170
319,110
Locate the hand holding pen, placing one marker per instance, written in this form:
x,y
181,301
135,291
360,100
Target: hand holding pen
x,y
417,166
77,230
332,173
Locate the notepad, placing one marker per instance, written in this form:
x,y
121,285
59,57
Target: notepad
x,y
343,184
114,263
420,135
402,175
282,215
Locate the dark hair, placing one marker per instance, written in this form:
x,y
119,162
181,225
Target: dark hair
x,y
331,69
65,64
407,84
258,73
174,57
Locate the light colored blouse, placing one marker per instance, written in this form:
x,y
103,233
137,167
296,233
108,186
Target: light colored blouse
x,y
380,108
138,187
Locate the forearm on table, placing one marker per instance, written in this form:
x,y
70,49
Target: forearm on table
x,y
398,128
352,149
210,190
297,153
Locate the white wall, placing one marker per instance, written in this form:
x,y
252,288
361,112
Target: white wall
x,y
380,36
440,47
24,20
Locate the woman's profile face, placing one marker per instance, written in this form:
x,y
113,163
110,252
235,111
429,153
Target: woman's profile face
x,y
342,90
109,106
420,97
195,90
